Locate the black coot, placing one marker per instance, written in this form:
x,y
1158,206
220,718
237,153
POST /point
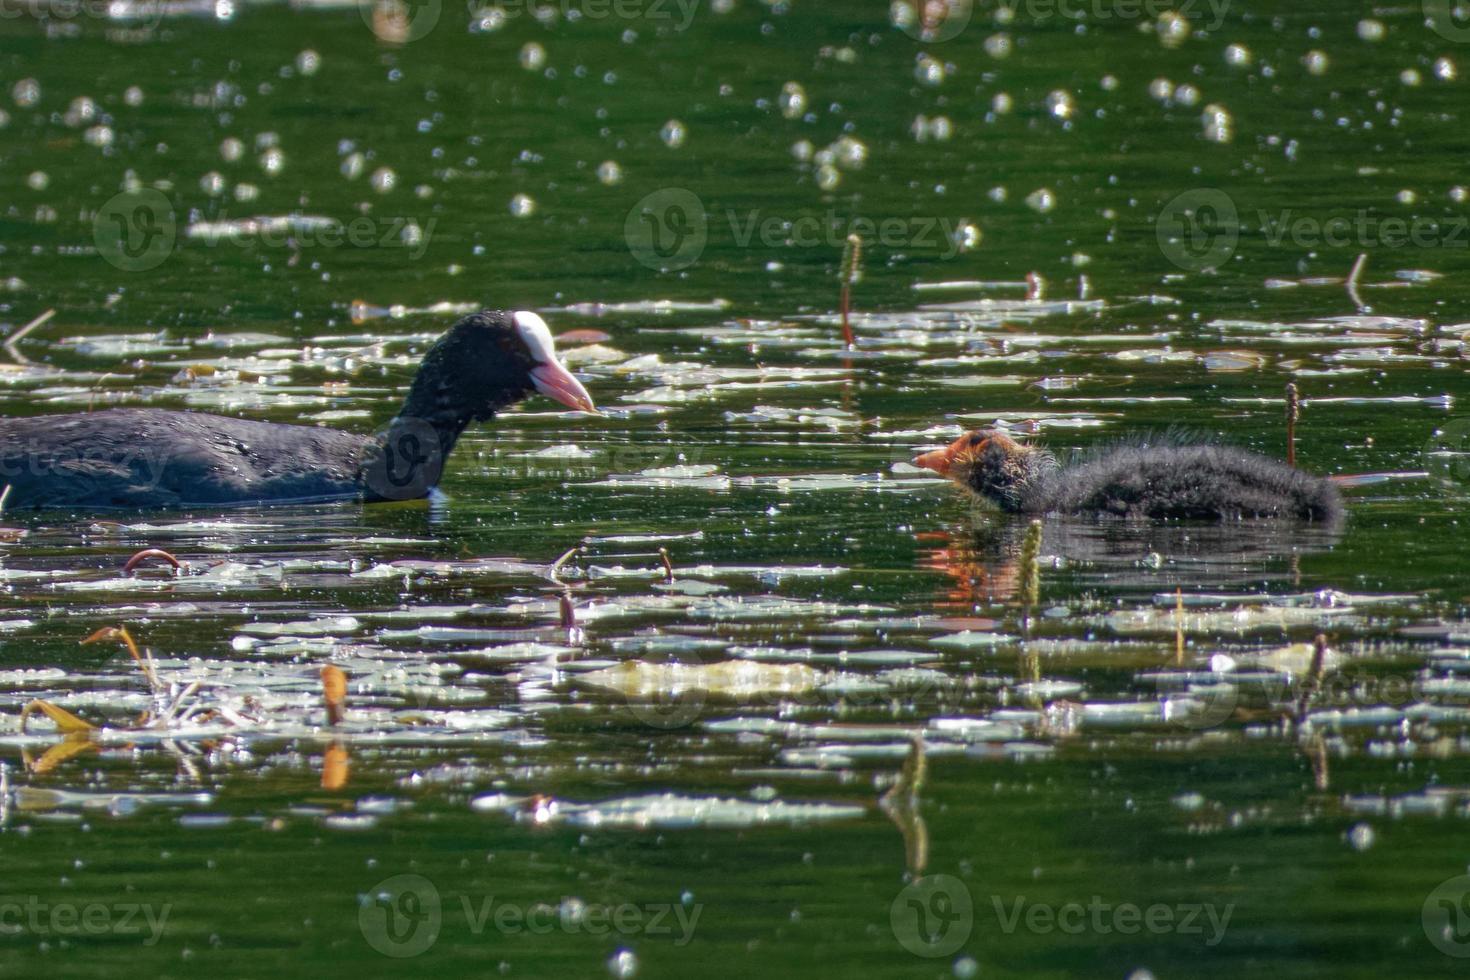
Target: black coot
x,y
145,458
1166,480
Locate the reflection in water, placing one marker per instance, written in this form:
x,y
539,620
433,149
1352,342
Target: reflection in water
x,y
981,557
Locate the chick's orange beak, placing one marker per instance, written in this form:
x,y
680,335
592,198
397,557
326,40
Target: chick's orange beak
x,y
940,460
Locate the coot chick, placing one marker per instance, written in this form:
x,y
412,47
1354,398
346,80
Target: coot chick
x,y
1200,481
147,458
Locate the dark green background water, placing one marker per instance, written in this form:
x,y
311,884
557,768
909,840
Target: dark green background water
x,y
1322,879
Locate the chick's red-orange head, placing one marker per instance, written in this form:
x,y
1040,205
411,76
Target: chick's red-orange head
x,y
956,458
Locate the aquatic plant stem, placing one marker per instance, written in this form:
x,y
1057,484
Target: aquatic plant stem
x,y
1293,413
848,274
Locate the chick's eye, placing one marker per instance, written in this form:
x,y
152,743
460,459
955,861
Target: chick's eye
x,y
976,440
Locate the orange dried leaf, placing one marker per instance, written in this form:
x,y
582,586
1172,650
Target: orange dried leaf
x,y
66,722
335,767
334,693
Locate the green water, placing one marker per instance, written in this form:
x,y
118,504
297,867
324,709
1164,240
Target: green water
x,y
1088,837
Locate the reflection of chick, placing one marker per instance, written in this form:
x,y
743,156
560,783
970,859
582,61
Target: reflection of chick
x,y
1160,481
979,571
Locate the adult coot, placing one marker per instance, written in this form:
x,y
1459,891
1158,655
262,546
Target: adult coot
x,y
145,457
1142,480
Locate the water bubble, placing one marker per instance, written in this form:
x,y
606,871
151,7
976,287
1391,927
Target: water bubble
x,y
803,150
1173,28
267,139
231,149
623,964
411,235
1316,62
1041,200
423,192
998,45
1161,89
1360,837
673,134
929,71
1371,30
1444,70
353,164
792,100
998,194
1060,104
1238,55
828,177
308,62
491,19
212,183
533,56
1218,123
1410,78
246,192
1002,103
39,180
133,96
1459,195
81,111
1187,95
967,236
273,161
1108,83
610,173
1406,197
522,206
850,153
965,968
383,180
26,92
100,136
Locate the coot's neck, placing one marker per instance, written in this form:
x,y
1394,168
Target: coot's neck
x,y
406,460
